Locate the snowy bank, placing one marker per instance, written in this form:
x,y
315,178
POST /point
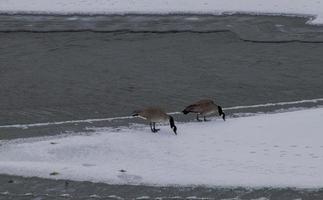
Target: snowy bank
x,y
285,7
283,149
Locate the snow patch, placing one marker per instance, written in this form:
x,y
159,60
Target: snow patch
x,y
277,7
282,149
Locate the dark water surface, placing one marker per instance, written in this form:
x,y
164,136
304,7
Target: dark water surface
x,y
12,187
65,68
58,68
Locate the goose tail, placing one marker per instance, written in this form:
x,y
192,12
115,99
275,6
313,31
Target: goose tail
x,y
136,113
188,109
185,112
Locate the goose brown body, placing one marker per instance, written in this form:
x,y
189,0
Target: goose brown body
x,y
155,115
204,107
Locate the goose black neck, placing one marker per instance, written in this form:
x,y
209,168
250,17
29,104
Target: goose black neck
x,y
172,124
171,121
221,113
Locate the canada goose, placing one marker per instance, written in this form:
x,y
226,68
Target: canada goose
x,y
204,107
155,115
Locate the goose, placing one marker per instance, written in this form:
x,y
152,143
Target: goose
x,y
204,107
155,115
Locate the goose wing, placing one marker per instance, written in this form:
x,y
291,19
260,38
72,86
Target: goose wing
x,y
199,106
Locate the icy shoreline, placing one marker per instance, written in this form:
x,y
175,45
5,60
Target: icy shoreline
x,y
216,7
280,150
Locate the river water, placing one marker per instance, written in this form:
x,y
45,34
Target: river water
x,y
63,68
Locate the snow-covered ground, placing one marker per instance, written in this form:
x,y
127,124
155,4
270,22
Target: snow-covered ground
x,y
298,7
282,149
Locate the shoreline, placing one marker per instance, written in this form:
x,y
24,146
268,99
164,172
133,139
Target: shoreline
x,y
251,7
275,140
22,187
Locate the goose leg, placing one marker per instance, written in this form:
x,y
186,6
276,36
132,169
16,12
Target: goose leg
x,y
205,119
155,130
197,118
